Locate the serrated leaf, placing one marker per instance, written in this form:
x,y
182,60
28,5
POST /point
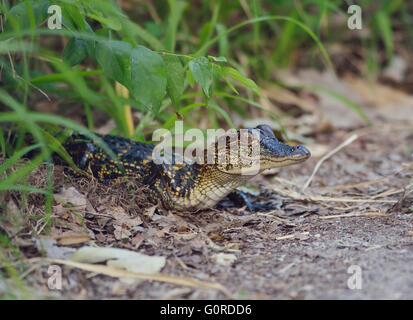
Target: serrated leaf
x,y
148,77
234,73
75,51
175,79
202,72
114,57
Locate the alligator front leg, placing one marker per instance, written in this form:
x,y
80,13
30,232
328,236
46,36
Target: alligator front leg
x,y
240,199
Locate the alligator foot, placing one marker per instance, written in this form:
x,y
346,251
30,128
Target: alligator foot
x,y
239,198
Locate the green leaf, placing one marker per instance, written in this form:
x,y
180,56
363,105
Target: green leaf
x,y
223,41
148,77
71,16
18,16
234,73
176,9
154,29
175,79
202,72
385,28
222,34
17,155
223,113
91,44
218,59
111,22
2,144
136,30
190,78
114,57
205,33
75,51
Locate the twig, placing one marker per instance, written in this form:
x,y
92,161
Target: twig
x,y
303,197
328,155
359,214
152,12
32,85
120,273
291,236
272,216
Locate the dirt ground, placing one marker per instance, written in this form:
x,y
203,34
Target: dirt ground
x,y
356,216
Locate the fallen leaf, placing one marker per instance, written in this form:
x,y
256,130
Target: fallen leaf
x,y
13,221
121,233
137,240
376,94
186,236
122,218
150,211
396,69
121,258
49,247
72,196
70,238
161,233
216,237
224,258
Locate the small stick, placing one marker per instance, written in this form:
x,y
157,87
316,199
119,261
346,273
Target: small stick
x,y
291,236
359,214
328,155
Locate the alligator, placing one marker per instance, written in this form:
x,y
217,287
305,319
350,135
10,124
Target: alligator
x,y
183,185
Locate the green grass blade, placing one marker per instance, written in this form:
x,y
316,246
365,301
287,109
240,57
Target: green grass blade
x,y
322,49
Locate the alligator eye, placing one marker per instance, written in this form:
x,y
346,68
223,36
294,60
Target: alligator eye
x,y
266,130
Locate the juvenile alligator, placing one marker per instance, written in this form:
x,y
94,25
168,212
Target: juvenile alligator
x,y
184,186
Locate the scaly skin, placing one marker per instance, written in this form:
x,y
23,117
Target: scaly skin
x,y
184,186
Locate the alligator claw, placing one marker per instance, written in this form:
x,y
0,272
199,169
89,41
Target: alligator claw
x,y
239,198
